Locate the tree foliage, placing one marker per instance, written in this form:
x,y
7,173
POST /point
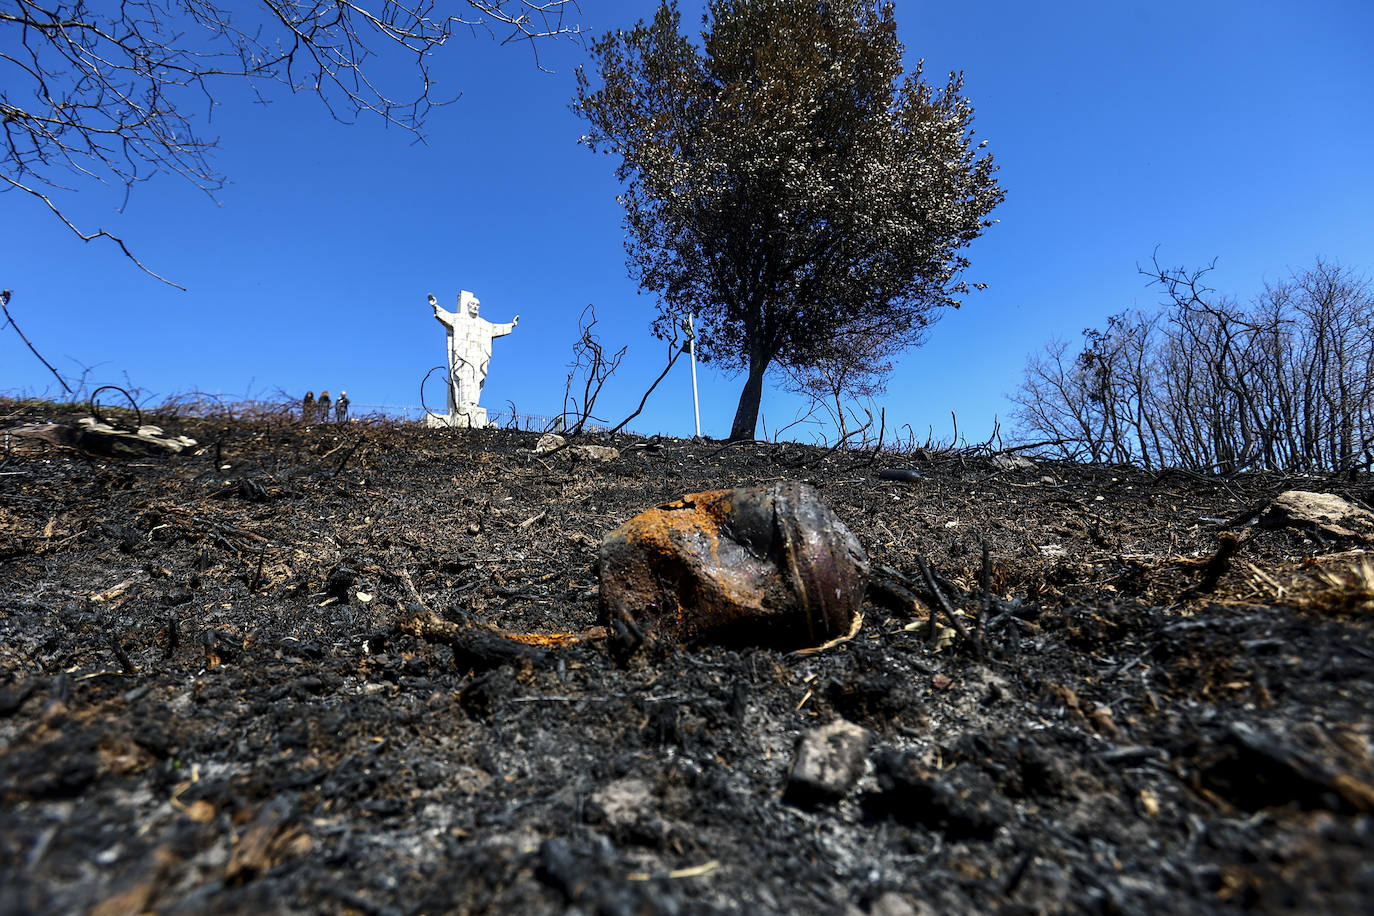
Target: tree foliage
x,y
119,92
785,182
1207,383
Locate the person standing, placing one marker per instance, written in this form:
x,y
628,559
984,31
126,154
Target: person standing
x,y
341,407
308,408
323,405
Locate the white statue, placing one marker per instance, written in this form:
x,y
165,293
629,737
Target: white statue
x,y
469,355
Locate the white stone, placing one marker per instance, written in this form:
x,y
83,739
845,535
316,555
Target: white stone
x,y
1325,511
548,442
894,904
469,357
594,452
829,760
624,801
1004,462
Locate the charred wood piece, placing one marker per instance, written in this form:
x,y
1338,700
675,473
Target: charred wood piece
x,y
475,646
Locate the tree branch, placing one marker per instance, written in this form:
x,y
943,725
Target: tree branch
x,y
88,237
5,305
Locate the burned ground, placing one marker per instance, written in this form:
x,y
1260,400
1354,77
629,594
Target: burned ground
x,y
213,697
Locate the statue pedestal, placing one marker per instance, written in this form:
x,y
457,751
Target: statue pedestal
x,y
472,418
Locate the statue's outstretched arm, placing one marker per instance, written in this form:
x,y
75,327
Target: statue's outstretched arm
x,y
445,317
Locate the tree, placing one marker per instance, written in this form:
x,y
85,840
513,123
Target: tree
x,y
785,183
109,91
1209,384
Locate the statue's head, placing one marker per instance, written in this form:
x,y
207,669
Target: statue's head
x,y
467,302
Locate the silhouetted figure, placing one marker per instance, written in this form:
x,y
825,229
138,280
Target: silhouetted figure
x,y
308,407
323,404
341,407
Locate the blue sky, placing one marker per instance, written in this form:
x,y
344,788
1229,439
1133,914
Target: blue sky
x,y
1237,131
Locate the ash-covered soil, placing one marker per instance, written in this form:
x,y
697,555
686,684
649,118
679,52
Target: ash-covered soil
x,y
209,700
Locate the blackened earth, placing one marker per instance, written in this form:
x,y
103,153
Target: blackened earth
x,y
209,700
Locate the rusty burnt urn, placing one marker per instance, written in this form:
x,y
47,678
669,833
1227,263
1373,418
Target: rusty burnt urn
x,y
764,566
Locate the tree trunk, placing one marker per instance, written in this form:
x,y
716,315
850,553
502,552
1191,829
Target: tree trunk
x,y
747,414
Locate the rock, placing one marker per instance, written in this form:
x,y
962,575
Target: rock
x,y
1326,512
894,904
829,761
102,438
622,803
548,442
551,441
764,566
594,452
98,438
628,811
1005,462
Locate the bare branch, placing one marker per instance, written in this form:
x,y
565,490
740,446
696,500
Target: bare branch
x,y
676,351
1211,385
108,92
595,367
9,319
87,237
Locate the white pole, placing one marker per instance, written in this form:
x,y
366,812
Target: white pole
x,y
692,351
